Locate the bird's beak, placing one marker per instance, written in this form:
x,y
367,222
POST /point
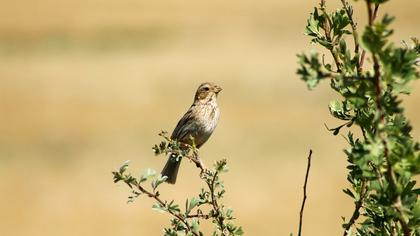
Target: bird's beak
x,y
217,89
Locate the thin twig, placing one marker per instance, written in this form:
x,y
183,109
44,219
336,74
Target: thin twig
x,y
404,225
378,91
304,193
357,206
211,185
197,161
353,25
199,216
211,178
393,227
372,17
363,132
215,205
378,174
162,203
327,29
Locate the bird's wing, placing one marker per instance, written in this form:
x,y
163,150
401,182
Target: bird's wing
x,y
185,126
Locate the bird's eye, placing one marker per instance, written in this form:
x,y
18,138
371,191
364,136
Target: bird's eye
x,y
206,88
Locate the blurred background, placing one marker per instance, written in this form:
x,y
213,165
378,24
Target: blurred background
x,y
86,85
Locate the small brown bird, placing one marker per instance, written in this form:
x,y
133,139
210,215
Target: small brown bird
x,y
199,122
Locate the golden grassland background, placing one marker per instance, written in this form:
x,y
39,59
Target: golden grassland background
x,y
86,85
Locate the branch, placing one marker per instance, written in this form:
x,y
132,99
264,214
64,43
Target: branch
x,y
198,163
371,18
378,89
211,177
162,203
406,229
353,24
215,205
211,183
378,174
304,193
215,189
199,216
327,30
357,206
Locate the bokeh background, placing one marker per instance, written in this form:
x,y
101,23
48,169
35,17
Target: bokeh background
x,y
86,85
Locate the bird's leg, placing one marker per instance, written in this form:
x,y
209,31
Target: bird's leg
x,y
197,159
199,163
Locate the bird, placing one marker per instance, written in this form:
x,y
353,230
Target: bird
x,y
197,124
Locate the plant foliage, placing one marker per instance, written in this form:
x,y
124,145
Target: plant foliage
x,y
206,206
370,75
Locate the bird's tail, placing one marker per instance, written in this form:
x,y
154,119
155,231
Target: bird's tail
x,y
171,169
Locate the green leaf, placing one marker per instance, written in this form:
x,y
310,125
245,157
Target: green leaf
x,y
195,225
124,167
148,174
172,207
340,110
340,21
375,38
378,1
221,166
134,196
311,69
239,231
158,207
229,213
313,24
117,177
348,192
158,181
193,203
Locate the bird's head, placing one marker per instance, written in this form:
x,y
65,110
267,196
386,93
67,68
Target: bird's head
x,y
207,92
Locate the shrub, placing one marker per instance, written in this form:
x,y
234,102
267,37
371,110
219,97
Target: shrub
x,y
382,156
